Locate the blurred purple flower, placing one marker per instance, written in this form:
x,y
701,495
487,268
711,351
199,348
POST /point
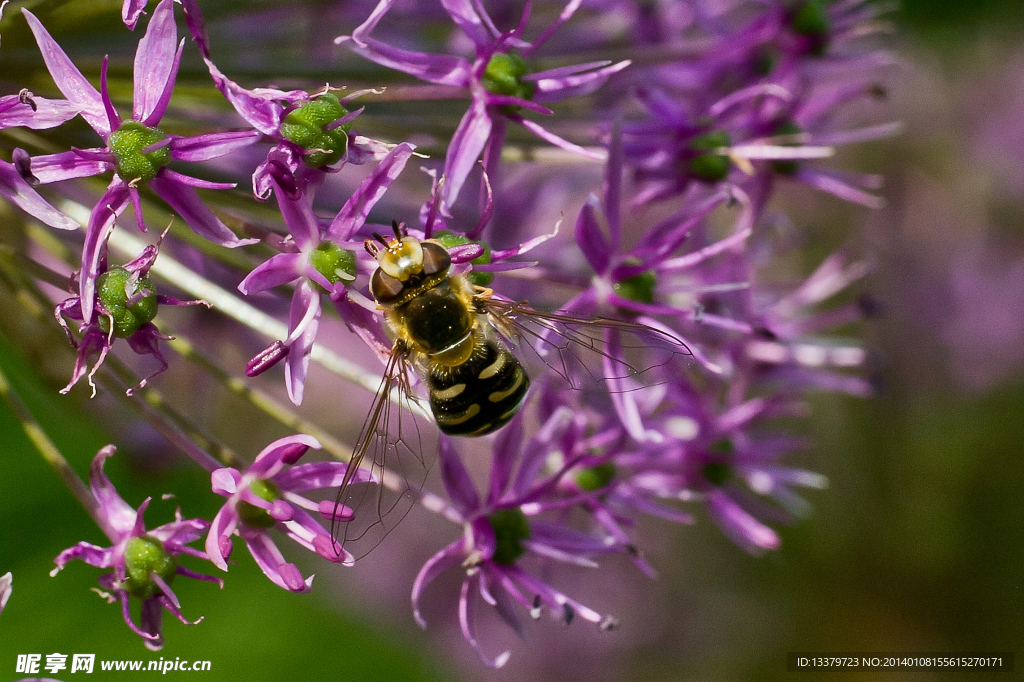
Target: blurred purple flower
x,y
136,150
323,260
984,329
499,81
144,562
126,303
6,580
268,495
312,131
500,533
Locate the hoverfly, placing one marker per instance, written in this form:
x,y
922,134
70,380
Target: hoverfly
x,y
453,334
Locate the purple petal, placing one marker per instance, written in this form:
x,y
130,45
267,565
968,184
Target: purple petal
x,y
180,532
14,189
47,113
739,526
66,165
5,589
307,532
225,481
187,180
550,137
590,235
468,19
299,218
187,204
303,322
101,222
466,622
457,481
131,11
554,88
156,65
315,476
268,462
279,269
564,16
353,214
464,149
506,454
118,513
100,557
449,557
69,79
441,69
270,560
218,540
212,145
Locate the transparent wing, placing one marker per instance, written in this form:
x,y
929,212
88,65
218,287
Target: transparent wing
x,y
390,447
584,350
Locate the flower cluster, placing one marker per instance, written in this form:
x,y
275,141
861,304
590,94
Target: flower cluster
x,y
656,384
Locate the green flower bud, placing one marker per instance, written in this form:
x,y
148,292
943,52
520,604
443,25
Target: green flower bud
x,y
334,263
144,556
503,77
510,529
113,289
717,473
596,477
304,126
639,288
810,19
253,516
448,239
710,166
133,165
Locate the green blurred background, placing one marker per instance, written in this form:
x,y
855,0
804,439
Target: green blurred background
x,y
917,545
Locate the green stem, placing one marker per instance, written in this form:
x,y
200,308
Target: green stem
x,y
52,455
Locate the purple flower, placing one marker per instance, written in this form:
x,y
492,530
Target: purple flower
x,y
6,581
16,180
269,495
137,151
144,562
126,303
788,346
312,131
498,78
501,534
323,260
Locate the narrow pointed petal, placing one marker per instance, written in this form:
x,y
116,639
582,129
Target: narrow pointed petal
x,y
465,148
155,64
14,189
66,165
193,211
304,321
48,113
212,145
279,269
353,214
457,481
101,222
131,11
449,557
69,79
119,513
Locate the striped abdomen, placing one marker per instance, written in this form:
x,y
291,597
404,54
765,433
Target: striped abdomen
x,y
481,394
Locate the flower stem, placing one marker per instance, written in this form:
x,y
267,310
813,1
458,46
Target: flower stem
x,y
52,455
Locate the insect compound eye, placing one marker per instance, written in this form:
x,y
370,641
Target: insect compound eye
x,y
384,287
435,258
402,259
